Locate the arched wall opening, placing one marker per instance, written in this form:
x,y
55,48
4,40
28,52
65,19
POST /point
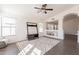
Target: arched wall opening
x,y
70,24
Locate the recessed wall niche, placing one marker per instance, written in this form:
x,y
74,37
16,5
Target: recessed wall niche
x,y
52,29
52,25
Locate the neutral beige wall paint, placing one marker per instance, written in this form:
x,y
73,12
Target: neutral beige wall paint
x,y
70,27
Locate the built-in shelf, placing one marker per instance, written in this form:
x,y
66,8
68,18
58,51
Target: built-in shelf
x,y
51,36
52,29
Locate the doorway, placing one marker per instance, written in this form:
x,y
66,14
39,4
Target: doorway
x,y
70,27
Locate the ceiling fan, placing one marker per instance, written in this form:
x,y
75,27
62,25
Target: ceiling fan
x,y
44,8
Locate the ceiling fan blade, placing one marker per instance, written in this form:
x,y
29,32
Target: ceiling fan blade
x,y
49,9
37,8
44,5
43,9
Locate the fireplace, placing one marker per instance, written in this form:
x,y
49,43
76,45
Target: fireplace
x,y
32,31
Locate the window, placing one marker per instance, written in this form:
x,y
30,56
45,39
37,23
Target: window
x,y
7,26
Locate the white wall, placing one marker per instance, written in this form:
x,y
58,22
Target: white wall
x,y
60,29
78,31
11,39
21,29
21,24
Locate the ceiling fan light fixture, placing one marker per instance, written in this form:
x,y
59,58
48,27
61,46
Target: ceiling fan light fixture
x,y
45,12
44,9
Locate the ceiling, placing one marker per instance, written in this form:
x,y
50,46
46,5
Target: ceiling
x,y
28,11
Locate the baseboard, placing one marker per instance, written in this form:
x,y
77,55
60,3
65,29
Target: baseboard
x,y
15,41
71,34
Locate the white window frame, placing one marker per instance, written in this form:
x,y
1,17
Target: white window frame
x,y
10,27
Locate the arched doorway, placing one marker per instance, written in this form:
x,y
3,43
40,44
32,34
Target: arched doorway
x,y
70,26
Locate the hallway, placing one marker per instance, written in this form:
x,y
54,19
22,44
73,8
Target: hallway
x,y
68,46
